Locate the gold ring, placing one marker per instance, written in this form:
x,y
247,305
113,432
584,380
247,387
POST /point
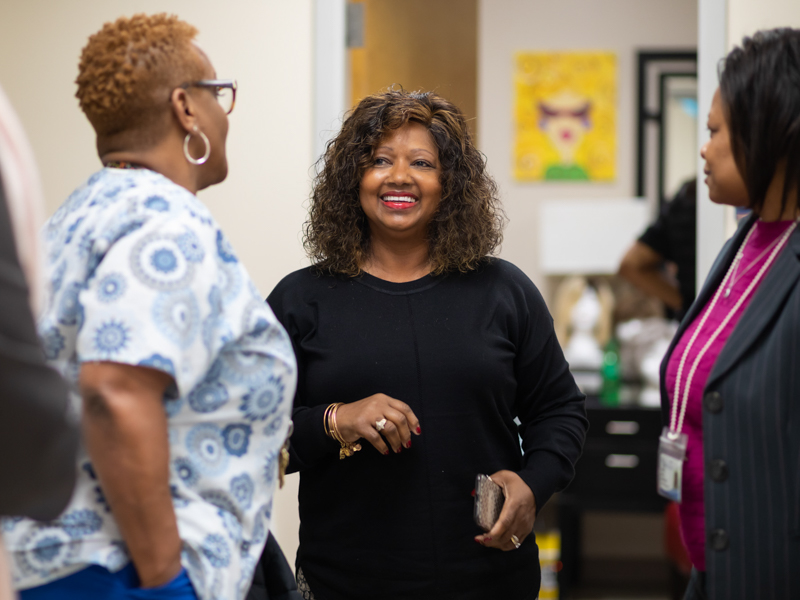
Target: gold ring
x,y
380,425
515,541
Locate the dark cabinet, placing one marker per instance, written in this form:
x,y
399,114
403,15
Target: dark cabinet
x,y
617,472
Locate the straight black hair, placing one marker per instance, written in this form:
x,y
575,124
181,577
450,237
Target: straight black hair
x,y
760,89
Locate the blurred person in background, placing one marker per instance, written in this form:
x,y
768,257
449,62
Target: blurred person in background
x,y
406,328
729,384
182,376
669,240
38,437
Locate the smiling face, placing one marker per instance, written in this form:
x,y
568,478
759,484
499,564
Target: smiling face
x,y
401,189
724,181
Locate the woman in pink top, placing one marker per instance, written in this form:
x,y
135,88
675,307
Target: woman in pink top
x,y
731,379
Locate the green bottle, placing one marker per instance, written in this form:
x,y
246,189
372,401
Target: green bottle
x,y
609,394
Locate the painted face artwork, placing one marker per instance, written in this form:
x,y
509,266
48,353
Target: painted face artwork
x,y
565,119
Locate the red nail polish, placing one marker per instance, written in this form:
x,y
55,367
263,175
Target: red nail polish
x,y
386,453
487,539
472,493
419,430
408,444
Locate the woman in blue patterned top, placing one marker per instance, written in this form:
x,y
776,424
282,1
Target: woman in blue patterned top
x,y
181,374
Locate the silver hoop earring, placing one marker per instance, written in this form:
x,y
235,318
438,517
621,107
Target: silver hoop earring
x,y
202,159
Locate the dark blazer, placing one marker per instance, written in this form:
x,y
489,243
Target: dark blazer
x,y
38,441
751,435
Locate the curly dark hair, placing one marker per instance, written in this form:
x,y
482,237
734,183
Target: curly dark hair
x,y
468,223
128,68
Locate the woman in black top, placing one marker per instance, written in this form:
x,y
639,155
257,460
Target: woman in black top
x,y
406,320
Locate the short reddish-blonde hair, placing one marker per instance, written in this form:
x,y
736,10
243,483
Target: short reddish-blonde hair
x,y
128,68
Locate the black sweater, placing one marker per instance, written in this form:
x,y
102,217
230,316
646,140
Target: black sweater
x,y
468,353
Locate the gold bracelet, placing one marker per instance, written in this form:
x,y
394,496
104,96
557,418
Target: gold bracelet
x,y
326,423
347,448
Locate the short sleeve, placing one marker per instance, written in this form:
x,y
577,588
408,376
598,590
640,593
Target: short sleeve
x,y
673,231
153,301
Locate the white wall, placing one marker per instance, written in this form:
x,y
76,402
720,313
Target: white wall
x,y
265,44
745,17
622,26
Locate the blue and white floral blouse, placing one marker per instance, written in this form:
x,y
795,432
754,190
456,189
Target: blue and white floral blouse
x,y
141,274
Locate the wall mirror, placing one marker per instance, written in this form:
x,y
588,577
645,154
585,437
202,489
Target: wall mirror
x,y
667,124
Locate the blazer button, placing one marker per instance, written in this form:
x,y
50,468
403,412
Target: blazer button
x,y
712,402
718,469
718,539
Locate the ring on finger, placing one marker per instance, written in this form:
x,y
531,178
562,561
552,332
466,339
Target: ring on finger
x,y
515,541
380,425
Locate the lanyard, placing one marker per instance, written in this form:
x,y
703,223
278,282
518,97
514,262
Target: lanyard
x,y
676,420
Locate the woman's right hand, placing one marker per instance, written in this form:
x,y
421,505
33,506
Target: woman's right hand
x,y
357,420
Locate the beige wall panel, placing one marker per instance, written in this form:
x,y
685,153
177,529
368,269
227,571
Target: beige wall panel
x,y
419,44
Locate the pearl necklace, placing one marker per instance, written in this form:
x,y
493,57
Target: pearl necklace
x,y
676,420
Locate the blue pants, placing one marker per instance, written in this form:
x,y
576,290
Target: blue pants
x,y
98,583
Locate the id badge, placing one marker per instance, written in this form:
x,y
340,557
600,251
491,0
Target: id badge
x,y
671,456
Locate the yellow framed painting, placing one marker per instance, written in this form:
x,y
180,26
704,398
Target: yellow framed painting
x,y
565,116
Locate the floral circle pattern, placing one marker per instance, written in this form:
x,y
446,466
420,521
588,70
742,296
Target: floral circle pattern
x,y
111,287
242,490
164,260
162,363
80,523
69,308
157,203
216,550
245,368
191,247
237,438
261,403
157,261
271,468
177,316
224,249
207,449
208,397
52,548
186,471
232,525
229,280
111,337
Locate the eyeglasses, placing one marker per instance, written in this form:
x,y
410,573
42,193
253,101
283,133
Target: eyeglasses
x,y
224,90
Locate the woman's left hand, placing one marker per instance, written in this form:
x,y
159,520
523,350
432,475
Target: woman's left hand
x,y
516,518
